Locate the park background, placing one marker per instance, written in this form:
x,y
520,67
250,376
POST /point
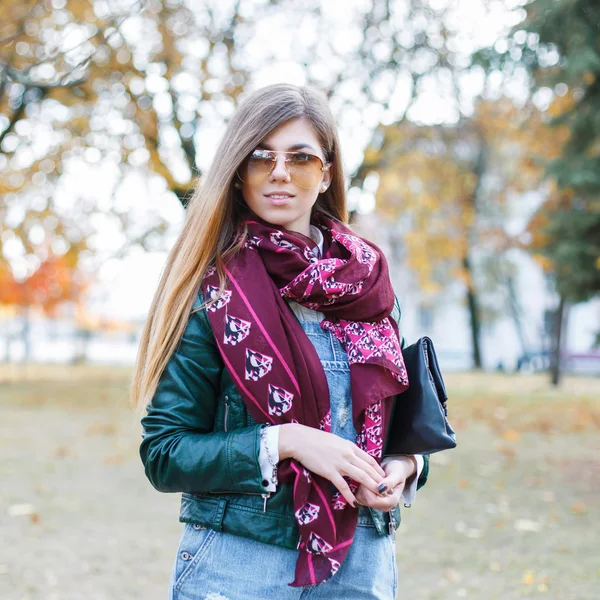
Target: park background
x,y
471,139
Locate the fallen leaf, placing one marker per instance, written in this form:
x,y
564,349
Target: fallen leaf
x,y
579,508
463,484
528,578
62,452
35,518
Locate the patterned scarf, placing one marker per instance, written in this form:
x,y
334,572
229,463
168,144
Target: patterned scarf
x,y
278,372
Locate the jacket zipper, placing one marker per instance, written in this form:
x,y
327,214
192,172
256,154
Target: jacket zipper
x,y
226,421
265,496
391,524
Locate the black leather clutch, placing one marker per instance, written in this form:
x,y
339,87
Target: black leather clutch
x,y
419,423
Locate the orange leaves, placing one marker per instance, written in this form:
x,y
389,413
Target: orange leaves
x,y
57,280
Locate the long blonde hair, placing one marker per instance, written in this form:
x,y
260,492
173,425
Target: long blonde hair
x,y
215,219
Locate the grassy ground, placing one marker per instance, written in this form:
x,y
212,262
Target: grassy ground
x,y
511,513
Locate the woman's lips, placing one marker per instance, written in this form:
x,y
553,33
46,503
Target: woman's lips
x,y
279,201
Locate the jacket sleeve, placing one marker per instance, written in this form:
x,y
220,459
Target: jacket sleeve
x,y
179,450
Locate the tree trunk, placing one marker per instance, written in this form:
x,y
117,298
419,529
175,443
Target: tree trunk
x,y
82,339
555,362
516,312
26,333
7,340
474,315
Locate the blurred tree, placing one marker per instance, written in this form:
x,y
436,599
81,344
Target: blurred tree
x,y
55,281
131,84
558,43
448,189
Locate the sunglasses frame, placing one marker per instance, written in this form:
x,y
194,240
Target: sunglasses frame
x,y
273,155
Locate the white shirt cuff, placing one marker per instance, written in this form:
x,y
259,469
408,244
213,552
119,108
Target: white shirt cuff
x,y
410,488
269,446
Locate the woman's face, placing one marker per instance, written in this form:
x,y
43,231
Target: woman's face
x,y
293,212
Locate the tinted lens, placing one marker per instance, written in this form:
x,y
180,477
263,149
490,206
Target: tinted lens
x,y
304,169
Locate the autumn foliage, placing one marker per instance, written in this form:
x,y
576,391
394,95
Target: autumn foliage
x,y
54,282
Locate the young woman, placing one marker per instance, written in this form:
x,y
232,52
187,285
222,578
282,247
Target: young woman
x,y
267,367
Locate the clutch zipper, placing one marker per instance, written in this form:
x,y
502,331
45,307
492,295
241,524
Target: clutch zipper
x,y
426,356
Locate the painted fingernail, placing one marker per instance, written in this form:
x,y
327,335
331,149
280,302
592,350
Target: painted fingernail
x,y
382,487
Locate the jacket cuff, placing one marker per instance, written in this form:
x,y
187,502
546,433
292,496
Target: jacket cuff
x,y
243,449
268,456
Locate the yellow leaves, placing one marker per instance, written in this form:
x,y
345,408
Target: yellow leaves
x,y
529,578
589,78
544,262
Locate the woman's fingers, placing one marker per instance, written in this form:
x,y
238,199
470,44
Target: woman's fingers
x,y
344,489
368,498
361,477
367,458
370,472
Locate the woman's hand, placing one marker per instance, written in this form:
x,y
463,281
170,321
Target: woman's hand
x,y
397,472
330,456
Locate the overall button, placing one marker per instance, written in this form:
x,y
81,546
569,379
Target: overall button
x,y
186,556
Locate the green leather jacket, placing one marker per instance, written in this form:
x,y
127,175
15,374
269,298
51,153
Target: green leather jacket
x,y
199,439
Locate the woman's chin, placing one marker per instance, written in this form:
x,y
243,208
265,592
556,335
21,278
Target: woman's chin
x,y
280,216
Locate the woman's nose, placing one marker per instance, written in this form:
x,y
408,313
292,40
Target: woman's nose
x,y
279,170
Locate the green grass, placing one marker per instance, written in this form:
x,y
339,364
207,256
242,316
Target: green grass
x,y
511,513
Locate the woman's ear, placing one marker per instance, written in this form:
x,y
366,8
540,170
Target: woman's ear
x,y
327,177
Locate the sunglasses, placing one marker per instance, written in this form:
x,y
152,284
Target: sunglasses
x,y
305,169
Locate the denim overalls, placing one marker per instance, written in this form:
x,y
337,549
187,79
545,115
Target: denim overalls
x,y
223,566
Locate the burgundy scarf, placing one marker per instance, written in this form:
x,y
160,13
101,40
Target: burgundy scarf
x,y
278,372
